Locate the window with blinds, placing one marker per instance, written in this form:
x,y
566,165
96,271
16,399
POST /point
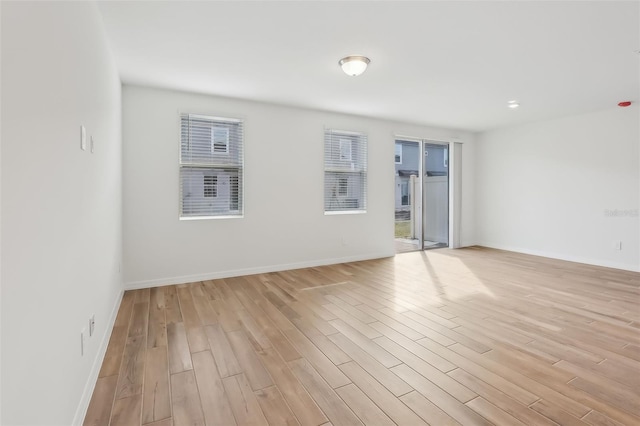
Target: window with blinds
x,y
345,171
211,166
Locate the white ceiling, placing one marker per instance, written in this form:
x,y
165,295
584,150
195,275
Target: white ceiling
x,y
449,64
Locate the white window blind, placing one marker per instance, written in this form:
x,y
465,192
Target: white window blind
x,y
211,166
345,171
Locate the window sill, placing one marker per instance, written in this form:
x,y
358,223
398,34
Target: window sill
x,y
188,218
332,213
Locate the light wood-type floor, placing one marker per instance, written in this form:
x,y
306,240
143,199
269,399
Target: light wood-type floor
x,y
471,336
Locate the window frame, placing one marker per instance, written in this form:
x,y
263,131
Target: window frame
x,y
338,168
236,195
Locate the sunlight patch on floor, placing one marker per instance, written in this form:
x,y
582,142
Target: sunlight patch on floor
x,y
437,276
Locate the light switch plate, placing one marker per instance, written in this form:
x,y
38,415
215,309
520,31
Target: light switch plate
x,y
92,145
83,138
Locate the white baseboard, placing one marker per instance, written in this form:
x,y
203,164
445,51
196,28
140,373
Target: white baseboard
x,y
559,256
89,387
250,271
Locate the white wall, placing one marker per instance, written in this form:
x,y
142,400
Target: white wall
x,y
543,188
284,224
61,207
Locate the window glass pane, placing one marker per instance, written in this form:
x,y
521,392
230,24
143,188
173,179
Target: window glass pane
x,y
211,166
345,168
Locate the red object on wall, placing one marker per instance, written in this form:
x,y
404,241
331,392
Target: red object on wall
x,y
624,104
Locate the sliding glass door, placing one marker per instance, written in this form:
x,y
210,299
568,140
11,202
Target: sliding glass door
x,y
436,195
421,195
408,202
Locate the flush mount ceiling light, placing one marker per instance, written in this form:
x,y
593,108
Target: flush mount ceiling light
x,y
354,65
513,104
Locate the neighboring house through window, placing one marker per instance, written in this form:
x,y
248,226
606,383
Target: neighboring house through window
x,y
220,140
211,186
343,187
345,149
211,166
398,153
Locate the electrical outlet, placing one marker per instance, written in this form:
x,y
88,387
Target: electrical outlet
x,y
92,324
83,334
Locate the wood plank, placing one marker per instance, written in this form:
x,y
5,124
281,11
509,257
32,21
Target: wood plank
x,y
126,411
270,330
190,316
377,352
131,374
511,374
253,369
253,329
595,418
427,410
227,318
334,407
215,405
165,422
143,295
115,350
616,371
179,355
392,407
414,348
302,311
197,339
301,403
222,353
431,373
492,413
244,404
274,407
185,400
618,396
346,312
436,395
516,392
171,305
319,360
322,342
395,385
156,402
392,323
139,319
99,411
555,413
126,307
595,374
204,310
500,399
363,407
157,334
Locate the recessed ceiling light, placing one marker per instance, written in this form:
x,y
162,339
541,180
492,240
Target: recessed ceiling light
x,y
354,65
513,104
